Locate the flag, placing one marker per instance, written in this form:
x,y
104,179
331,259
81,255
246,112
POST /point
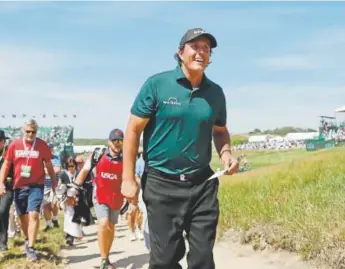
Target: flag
x,y
43,115
65,116
2,116
24,115
14,115
55,116
74,115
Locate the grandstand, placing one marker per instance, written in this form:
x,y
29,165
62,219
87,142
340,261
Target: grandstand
x,y
331,133
59,136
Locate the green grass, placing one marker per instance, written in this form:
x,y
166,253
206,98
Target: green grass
x,y
296,205
48,247
292,200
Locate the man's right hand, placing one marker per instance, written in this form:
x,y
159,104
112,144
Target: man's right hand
x,y
2,189
129,188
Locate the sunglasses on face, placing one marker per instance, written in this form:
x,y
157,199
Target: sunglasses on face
x,y
30,132
71,166
117,141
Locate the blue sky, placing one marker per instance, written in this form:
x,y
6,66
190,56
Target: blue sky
x,y
279,63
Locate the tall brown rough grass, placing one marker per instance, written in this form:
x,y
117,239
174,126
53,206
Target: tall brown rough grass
x,y
297,205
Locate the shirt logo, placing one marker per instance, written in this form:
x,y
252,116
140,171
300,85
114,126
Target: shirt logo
x,y
26,154
108,176
172,101
199,31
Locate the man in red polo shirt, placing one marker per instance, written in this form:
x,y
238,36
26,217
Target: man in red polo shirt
x,y
28,155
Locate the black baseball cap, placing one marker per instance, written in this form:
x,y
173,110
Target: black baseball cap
x,y
2,135
194,33
115,134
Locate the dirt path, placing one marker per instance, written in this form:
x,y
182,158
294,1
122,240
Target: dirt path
x,y
133,255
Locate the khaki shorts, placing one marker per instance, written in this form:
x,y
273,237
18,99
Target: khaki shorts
x,y
104,211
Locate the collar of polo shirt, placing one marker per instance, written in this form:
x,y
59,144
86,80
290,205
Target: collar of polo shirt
x,y
181,76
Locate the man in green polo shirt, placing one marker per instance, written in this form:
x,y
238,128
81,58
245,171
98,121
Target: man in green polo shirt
x,y
180,111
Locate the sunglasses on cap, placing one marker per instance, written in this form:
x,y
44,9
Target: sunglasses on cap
x,y
117,141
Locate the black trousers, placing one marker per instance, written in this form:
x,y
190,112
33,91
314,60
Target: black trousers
x,y
5,205
174,206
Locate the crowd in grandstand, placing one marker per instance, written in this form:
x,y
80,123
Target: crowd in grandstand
x,y
270,145
330,130
56,136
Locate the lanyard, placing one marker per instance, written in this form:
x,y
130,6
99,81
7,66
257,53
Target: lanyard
x,y
31,150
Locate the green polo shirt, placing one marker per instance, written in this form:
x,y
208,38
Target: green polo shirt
x,y
178,136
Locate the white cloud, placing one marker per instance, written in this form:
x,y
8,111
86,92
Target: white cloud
x,y
20,63
30,84
12,7
270,105
289,62
322,50
98,109
284,94
327,38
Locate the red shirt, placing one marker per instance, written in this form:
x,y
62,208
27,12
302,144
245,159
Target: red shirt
x,y
19,155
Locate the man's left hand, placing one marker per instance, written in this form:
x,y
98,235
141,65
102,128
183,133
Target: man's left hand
x,y
230,163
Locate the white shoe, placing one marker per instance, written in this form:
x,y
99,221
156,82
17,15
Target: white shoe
x,y
133,237
140,235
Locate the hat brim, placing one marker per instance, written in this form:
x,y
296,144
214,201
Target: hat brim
x,y
211,38
115,138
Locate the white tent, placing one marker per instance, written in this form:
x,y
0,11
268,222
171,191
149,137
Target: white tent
x,y
340,109
301,136
86,148
258,138
276,138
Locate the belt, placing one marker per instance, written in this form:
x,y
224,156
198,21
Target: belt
x,y
199,175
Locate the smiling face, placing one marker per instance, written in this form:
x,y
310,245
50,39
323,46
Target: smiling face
x,y
195,55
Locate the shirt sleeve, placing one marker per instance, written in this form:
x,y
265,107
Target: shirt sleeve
x,y
145,102
46,152
9,155
222,113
